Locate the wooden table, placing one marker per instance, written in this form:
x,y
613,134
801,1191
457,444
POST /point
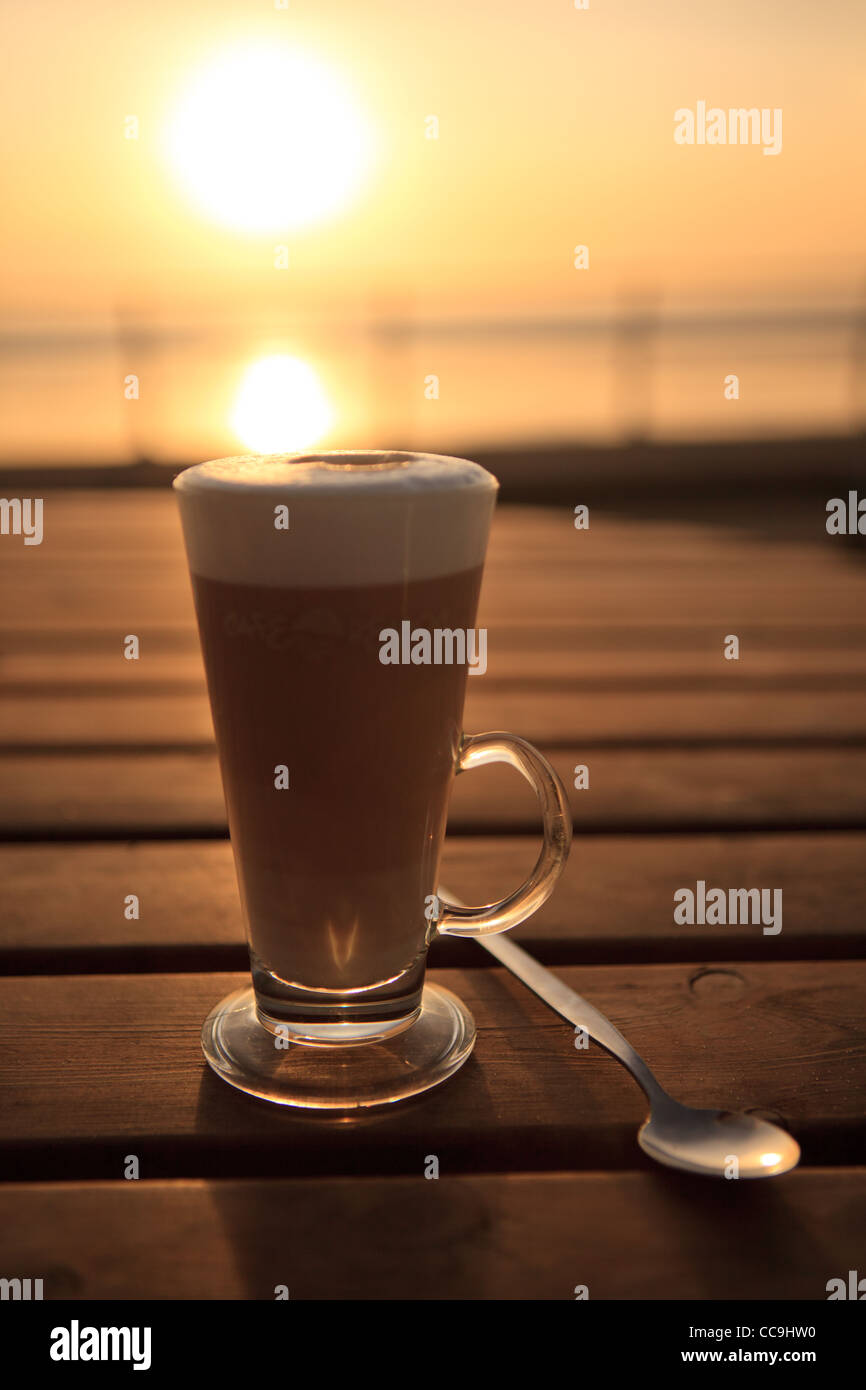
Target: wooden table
x,y
606,649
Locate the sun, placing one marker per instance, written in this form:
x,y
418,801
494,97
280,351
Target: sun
x,y
281,406
269,139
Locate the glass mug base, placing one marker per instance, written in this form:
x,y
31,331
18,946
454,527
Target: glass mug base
x,y
321,1076
331,1017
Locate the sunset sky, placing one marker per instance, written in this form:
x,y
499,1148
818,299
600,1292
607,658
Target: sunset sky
x,y
555,128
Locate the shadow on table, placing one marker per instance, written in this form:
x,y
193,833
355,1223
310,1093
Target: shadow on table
x,y
743,1239
369,1204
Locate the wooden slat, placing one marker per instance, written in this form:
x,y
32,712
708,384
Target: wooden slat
x,y
593,651
540,570
526,1236
93,1068
120,532
545,597
548,718
110,524
565,663
616,556
130,794
120,535
62,906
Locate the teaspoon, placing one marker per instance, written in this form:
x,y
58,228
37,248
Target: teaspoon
x,y
698,1141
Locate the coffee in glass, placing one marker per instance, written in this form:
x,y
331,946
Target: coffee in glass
x,y
336,598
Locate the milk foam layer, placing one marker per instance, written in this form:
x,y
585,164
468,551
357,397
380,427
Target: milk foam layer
x,y
354,518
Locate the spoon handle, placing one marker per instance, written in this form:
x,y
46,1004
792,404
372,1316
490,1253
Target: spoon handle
x,y
571,1006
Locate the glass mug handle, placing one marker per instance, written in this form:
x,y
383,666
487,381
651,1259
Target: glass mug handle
x,y
475,751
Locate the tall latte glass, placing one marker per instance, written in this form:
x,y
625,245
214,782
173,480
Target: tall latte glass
x,y
336,596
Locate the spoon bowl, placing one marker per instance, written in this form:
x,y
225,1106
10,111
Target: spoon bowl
x,y
726,1142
